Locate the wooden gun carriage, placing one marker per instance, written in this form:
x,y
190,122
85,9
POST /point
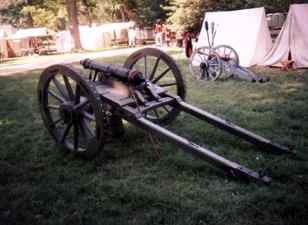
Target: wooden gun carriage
x,y
83,113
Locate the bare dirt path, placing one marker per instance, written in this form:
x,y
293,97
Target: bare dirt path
x,y
41,62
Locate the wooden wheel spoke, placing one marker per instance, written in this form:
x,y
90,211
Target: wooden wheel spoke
x,y
145,67
68,87
77,94
154,69
82,129
55,107
60,88
76,136
65,133
88,115
87,128
81,104
214,64
200,56
57,97
168,84
161,75
57,121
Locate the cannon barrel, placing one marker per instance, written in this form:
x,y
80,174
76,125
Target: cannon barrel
x,y
120,73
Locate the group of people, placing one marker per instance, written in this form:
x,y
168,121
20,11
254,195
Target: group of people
x,y
163,34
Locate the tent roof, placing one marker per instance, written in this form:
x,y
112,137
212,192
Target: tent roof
x,y
32,32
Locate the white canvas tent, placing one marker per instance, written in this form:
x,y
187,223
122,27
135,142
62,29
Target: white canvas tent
x,y
92,38
31,32
64,41
244,30
293,39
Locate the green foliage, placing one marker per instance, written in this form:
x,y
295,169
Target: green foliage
x,y
188,14
11,15
42,17
36,13
47,13
184,14
149,11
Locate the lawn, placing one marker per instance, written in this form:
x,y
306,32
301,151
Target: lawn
x,y
39,184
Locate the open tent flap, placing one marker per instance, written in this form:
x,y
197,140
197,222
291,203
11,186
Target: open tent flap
x,y
244,30
292,39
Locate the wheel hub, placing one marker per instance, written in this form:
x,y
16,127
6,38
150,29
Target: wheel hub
x,y
204,65
68,113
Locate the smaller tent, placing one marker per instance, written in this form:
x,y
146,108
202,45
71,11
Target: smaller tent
x,y
292,42
244,30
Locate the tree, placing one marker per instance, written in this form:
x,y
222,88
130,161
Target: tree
x,y
73,22
89,6
188,14
149,11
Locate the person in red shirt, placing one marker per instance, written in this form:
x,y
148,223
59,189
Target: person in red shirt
x,y
168,36
188,44
158,30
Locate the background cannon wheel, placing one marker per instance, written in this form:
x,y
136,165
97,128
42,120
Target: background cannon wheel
x,y
203,59
162,70
228,55
71,110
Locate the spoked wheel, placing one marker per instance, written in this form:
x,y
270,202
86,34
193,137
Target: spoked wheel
x,y
228,55
162,70
205,64
71,110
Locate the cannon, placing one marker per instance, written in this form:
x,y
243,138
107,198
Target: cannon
x,y
85,112
219,62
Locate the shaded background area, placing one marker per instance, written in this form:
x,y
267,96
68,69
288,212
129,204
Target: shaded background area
x,y
128,185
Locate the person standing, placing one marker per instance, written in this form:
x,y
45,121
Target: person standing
x,y
167,37
158,30
132,36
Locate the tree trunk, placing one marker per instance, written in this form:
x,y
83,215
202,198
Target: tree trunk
x,y
122,11
71,7
88,12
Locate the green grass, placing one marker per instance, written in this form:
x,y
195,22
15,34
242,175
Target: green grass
x,y
41,185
